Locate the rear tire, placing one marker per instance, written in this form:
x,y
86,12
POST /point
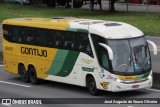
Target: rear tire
x,y
33,76
91,85
23,74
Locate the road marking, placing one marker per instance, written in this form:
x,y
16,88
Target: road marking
x,y
152,49
130,106
1,65
152,89
7,105
15,84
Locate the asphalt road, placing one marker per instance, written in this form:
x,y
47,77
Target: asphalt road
x,y
48,89
123,7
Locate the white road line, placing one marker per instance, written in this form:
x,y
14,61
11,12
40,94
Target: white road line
x,y
8,105
1,65
15,84
152,49
152,89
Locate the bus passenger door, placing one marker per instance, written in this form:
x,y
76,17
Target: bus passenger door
x,y
103,61
104,74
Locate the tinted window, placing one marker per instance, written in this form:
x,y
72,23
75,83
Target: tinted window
x,y
83,43
59,39
41,37
102,53
28,36
48,38
11,33
70,40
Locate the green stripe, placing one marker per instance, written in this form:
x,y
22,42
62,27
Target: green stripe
x,y
57,62
143,75
68,64
63,63
146,74
77,30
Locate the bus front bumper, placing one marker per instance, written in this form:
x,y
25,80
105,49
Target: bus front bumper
x,y
121,86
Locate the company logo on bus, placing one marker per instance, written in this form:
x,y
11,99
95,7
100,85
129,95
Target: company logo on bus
x,y
33,51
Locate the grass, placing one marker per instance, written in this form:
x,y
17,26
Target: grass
x,y
148,23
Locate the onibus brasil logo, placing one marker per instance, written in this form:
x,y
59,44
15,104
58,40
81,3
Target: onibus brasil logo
x,y
20,101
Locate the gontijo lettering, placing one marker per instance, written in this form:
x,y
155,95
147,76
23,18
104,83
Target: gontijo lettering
x,y
33,51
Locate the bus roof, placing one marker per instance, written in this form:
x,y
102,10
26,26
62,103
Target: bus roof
x,y
106,29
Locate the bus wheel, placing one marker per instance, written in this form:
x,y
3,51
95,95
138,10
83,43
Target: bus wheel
x,y
33,76
91,84
24,74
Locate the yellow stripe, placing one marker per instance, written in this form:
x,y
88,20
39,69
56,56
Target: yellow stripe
x,y
59,24
127,77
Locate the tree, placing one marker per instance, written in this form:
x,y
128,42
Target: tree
x,y
1,1
112,2
36,2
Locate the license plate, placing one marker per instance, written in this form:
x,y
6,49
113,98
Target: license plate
x,y
135,86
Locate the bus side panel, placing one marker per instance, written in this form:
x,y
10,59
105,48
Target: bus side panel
x,y
9,57
40,63
83,65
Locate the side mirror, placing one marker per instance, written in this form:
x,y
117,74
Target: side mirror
x,y
154,47
110,52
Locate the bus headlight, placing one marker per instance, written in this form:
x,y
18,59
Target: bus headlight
x,y
118,80
150,76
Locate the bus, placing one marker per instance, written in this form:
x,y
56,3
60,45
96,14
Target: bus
x,y
97,54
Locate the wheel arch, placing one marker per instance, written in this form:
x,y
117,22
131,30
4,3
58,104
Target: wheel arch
x,y
30,66
19,65
87,77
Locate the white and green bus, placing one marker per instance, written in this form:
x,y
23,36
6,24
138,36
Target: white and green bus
x,y
100,55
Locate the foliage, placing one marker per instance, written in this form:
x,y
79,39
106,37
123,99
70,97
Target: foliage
x,y
148,23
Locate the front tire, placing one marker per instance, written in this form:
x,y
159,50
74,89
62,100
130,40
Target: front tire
x,y
33,76
24,74
91,85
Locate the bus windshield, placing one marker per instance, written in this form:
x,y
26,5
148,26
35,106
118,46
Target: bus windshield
x,y
130,56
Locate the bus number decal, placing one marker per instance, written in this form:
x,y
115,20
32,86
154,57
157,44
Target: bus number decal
x,y
8,48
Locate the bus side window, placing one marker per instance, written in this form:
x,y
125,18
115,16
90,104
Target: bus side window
x,y
11,33
28,35
59,39
84,44
103,58
7,32
16,34
51,38
101,53
69,39
41,37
